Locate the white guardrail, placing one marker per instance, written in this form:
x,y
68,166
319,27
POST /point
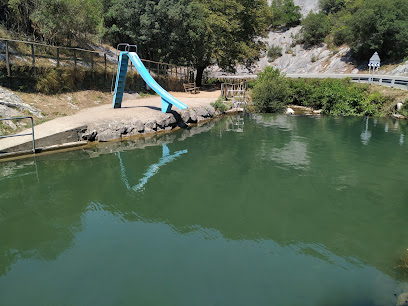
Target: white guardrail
x,y
393,81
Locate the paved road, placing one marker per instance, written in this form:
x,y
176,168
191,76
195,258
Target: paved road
x,y
394,81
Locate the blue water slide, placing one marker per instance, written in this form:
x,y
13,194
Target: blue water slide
x,y
167,100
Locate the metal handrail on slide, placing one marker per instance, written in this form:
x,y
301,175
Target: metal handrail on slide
x,y
127,49
18,135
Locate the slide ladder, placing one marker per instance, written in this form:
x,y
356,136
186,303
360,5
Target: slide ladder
x,y
167,100
120,80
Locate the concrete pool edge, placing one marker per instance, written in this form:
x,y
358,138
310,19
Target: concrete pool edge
x,y
116,131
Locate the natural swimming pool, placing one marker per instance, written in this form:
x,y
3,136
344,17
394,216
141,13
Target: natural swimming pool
x,y
246,210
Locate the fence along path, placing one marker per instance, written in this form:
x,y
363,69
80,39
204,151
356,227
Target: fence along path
x,y
63,56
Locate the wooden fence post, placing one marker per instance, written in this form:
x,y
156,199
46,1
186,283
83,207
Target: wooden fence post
x,y
33,58
58,58
92,64
106,68
8,60
75,58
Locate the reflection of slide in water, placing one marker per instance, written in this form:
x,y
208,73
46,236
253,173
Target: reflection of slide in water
x,y
152,170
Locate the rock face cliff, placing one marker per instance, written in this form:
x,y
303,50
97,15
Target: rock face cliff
x,y
305,5
297,59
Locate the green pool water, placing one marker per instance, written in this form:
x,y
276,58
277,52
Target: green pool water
x,y
246,210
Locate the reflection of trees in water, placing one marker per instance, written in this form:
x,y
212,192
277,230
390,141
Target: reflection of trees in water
x,y
34,224
42,220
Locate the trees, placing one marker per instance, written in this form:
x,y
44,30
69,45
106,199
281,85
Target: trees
x,y
231,34
195,32
380,26
315,28
331,6
271,91
160,28
54,20
60,20
17,14
369,26
284,13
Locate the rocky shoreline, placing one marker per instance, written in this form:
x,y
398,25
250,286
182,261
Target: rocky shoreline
x,y
117,130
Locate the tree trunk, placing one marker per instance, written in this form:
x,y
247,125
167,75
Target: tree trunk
x,y
199,78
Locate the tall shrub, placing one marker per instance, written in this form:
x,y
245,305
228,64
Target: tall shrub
x,y
271,91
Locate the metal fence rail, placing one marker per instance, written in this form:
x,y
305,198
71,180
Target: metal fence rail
x,y
73,55
19,135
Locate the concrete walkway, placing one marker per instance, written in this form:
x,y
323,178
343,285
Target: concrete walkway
x,y
143,109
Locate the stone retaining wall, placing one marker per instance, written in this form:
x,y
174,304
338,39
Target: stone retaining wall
x,y
166,122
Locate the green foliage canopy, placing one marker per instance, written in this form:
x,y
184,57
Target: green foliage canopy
x,y
331,6
316,26
369,26
272,91
196,32
56,21
380,26
60,20
284,13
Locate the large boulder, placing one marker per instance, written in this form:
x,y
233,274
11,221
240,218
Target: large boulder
x,y
399,106
151,125
89,135
402,299
202,112
185,116
108,135
11,100
166,120
211,111
138,126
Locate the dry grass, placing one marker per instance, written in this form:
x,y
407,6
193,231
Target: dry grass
x,y
393,95
53,106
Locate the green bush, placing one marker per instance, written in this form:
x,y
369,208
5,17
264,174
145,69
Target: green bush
x,y
404,109
271,91
274,52
284,13
335,97
331,6
221,105
315,28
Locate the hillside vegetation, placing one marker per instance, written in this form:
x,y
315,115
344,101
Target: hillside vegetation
x,y
201,33
339,97
197,33
365,25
